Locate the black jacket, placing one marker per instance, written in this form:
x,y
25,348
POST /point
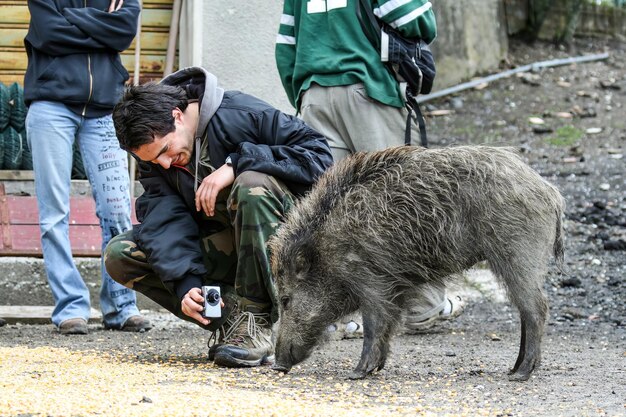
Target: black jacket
x,y
73,53
257,136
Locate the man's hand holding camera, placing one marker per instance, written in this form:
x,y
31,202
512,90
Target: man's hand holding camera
x,y
193,304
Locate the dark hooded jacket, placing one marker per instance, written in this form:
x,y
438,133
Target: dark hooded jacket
x,y
73,53
255,135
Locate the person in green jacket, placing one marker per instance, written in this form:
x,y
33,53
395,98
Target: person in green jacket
x,y
336,80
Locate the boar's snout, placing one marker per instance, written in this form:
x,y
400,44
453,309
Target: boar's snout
x,y
280,367
284,359
288,353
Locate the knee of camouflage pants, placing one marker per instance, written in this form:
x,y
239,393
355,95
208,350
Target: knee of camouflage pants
x,y
124,261
267,196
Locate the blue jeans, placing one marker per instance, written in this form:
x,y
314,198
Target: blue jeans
x,y
51,130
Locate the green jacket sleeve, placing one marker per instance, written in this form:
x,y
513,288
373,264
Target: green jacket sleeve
x,y
414,18
285,52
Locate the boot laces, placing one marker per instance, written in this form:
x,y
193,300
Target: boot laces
x,y
219,335
246,326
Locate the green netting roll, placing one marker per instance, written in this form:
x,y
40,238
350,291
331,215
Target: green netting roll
x,y
2,134
78,170
18,113
12,149
5,106
27,156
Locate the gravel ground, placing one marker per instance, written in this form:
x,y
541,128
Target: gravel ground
x,y
458,368
579,147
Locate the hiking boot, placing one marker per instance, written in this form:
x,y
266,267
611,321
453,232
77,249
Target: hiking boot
x,y
418,324
73,326
221,327
2,322
217,336
249,340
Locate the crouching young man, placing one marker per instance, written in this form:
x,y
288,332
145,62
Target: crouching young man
x,y
219,169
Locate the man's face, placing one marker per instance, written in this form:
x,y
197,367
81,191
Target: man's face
x,y
173,149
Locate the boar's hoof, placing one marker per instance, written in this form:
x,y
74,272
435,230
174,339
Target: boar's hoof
x,y
281,368
519,376
357,375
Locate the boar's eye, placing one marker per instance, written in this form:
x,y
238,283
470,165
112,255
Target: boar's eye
x,y
284,301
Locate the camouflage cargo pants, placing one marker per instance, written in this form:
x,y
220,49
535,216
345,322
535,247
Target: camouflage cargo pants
x,y
235,249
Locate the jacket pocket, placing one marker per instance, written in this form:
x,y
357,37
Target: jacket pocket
x,y
64,79
49,70
109,77
117,63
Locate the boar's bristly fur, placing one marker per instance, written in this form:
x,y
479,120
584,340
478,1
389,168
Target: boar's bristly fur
x,y
378,226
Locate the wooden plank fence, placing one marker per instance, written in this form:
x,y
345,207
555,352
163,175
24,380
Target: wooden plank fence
x,y
19,226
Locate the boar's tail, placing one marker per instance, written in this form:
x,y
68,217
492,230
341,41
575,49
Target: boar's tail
x,y
558,248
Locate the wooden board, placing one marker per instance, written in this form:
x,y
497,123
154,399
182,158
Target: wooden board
x,y
16,175
20,234
35,314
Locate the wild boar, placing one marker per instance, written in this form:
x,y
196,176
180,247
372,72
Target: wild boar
x,y
379,226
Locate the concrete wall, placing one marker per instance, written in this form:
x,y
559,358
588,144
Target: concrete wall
x,y
239,47
472,39
238,43
23,282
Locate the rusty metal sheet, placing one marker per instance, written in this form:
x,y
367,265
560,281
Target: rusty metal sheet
x,y
149,63
14,13
11,13
13,37
14,60
151,41
12,77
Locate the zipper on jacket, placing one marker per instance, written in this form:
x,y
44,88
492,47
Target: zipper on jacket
x,y
90,84
90,78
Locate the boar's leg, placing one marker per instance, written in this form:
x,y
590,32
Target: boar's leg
x,y
533,315
522,350
376,336
523,277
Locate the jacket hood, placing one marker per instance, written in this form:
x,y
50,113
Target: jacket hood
x,y
212,93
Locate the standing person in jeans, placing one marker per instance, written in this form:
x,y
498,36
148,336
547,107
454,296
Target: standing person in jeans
x,y
73,80
336,80
220,169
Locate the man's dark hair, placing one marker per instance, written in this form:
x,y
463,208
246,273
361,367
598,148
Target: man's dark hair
x,y
145,111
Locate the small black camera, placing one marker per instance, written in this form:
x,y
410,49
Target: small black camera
x,y
212,308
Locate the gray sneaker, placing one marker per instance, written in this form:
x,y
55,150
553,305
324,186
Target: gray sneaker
x,y
248,342
134,324
418,323
349,327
